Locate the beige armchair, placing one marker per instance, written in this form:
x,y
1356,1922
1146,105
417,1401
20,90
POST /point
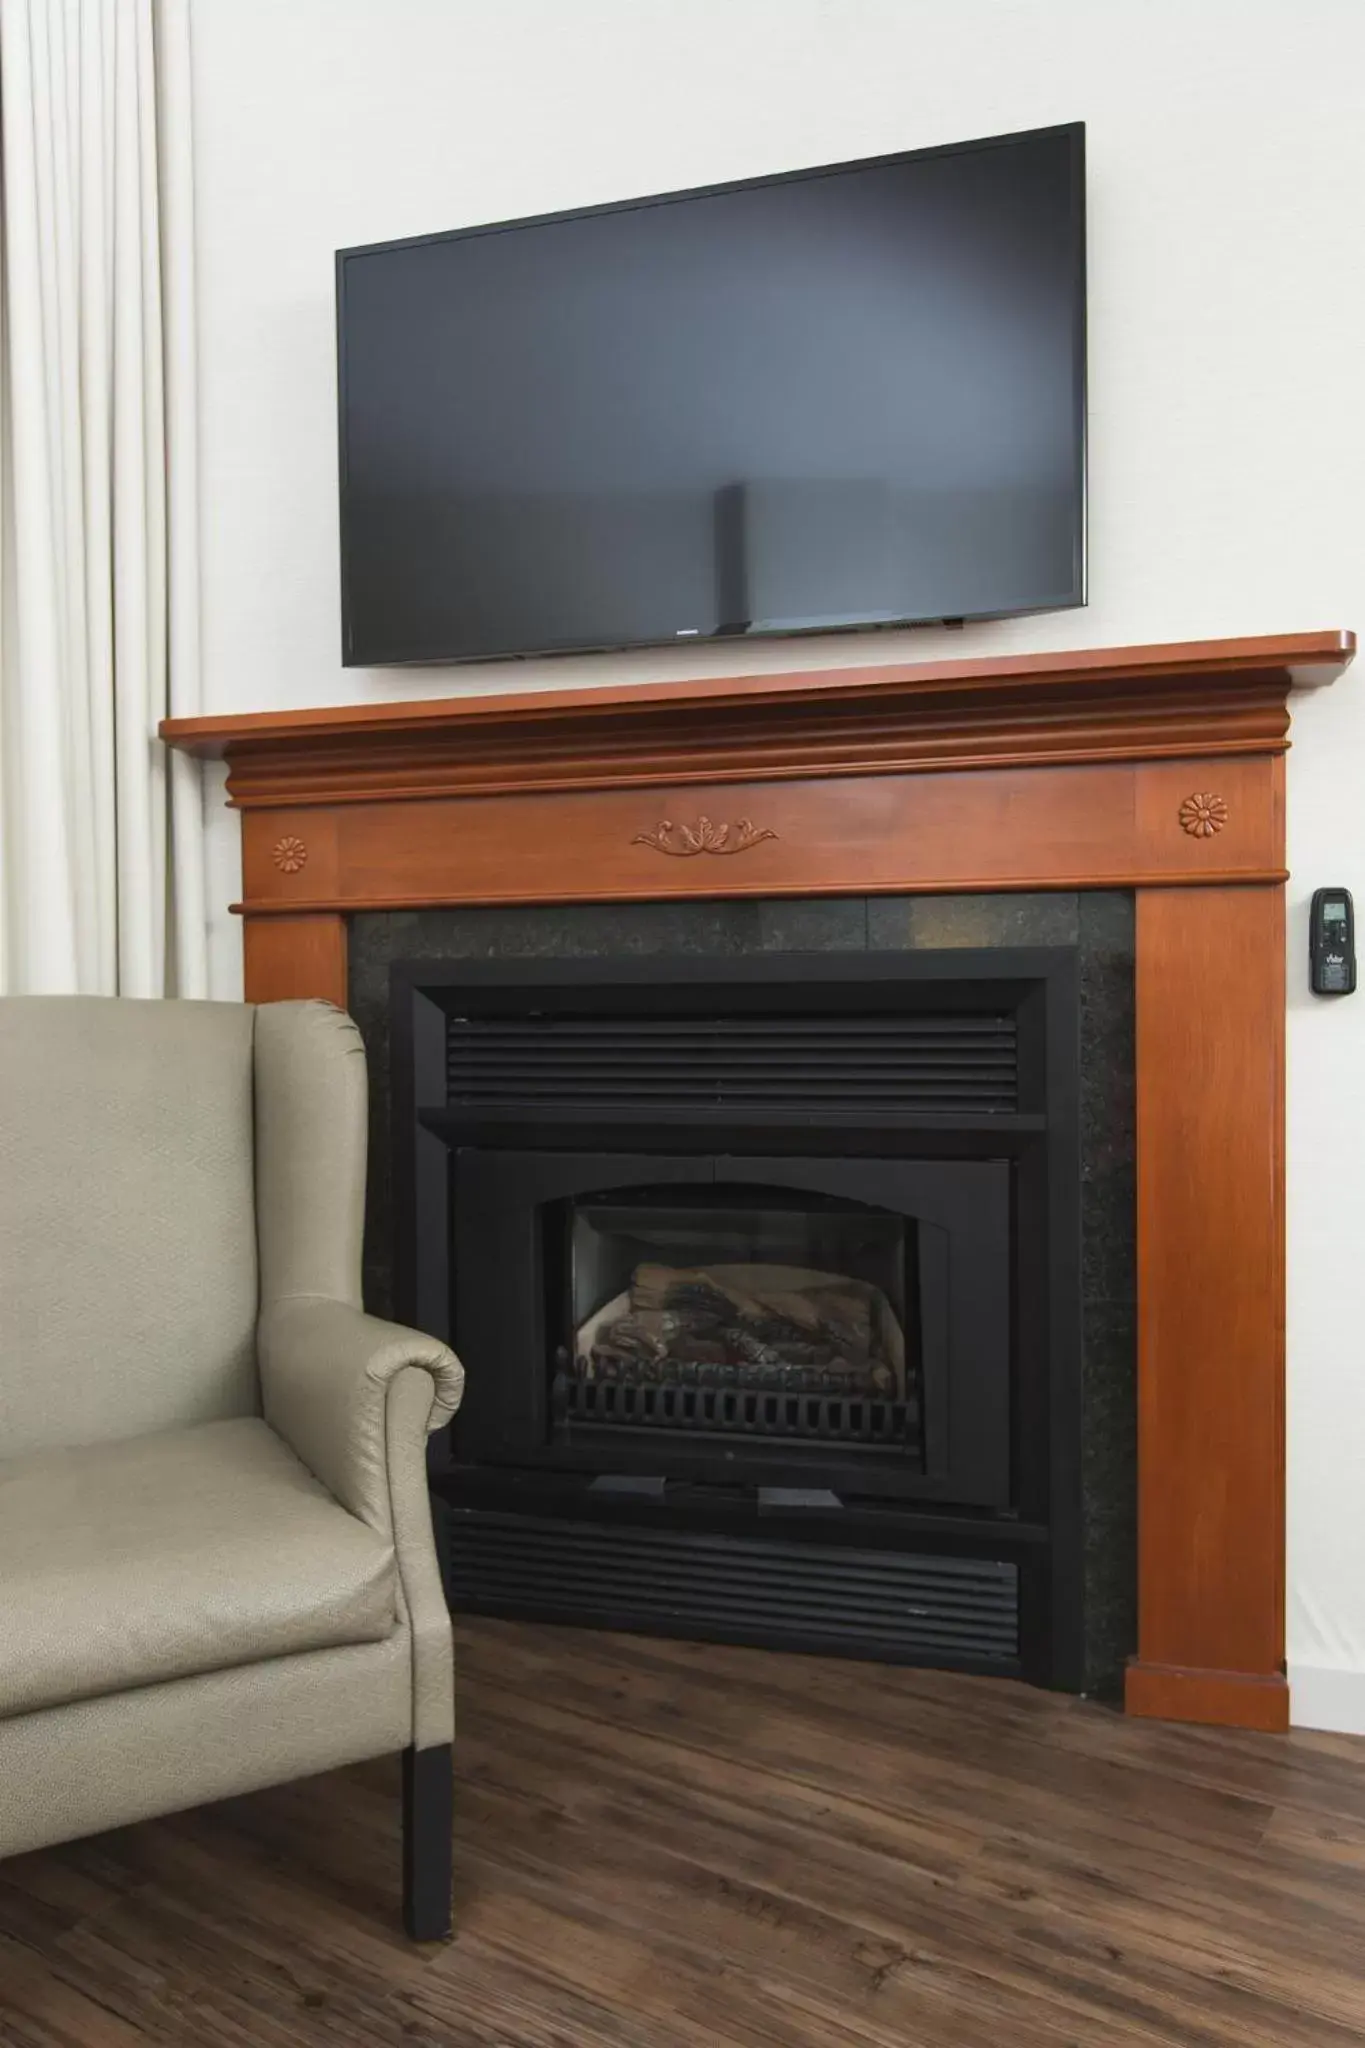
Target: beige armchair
x,y
216,1560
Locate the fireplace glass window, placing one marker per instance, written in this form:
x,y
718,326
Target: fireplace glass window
x,y
758,1312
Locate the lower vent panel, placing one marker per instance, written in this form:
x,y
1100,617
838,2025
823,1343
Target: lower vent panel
x,y
890,1606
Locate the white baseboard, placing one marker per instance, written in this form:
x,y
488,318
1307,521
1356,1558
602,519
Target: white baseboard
x,y
1324,1696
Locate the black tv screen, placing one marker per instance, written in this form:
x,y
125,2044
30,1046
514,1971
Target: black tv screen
x,y
845,397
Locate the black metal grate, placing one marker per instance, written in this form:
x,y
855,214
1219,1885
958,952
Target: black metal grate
x,y
948,1064
726,1411
882,1604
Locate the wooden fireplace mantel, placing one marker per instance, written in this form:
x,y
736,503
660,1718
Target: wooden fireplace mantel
x,y
1153,768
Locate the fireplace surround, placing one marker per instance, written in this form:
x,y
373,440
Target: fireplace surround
x,y
942,1009
1155,769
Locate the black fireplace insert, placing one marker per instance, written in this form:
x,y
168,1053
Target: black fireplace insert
x,y
765,1272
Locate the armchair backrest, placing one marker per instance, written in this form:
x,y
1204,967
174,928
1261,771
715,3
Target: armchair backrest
x,y
140,1142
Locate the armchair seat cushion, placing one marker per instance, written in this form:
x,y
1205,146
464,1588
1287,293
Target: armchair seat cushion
x,y
161,1557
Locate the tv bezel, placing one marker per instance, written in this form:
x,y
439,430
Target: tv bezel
x,y
1073,131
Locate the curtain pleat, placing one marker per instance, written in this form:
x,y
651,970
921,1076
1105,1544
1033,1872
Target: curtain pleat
x,y
101,864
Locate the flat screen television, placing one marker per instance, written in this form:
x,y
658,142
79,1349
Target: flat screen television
x,y
846,397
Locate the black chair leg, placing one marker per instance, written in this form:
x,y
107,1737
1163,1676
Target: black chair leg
x,y
428,1827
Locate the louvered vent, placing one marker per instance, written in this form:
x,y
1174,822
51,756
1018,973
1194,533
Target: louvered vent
x,y
944,1064
883,1604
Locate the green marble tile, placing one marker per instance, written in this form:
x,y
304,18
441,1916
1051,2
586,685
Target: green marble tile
x,y
920,922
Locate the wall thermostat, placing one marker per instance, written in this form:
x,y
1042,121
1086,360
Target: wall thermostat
x,y
1332,943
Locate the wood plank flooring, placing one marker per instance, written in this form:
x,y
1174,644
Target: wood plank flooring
x,y
665,1845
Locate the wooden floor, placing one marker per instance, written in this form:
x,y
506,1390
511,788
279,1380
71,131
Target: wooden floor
x,y
668,1846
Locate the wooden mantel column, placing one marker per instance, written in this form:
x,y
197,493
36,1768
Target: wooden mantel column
x,y
1158,769
1211,1351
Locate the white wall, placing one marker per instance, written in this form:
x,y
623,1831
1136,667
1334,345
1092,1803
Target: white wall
x,y
1227,225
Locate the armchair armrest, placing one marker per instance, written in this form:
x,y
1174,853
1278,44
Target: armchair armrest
x,y
327,1373
355,1399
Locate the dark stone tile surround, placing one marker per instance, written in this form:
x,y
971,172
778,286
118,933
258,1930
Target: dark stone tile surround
x,y
1099,924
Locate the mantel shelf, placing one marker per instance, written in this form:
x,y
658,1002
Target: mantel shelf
x,y
1296,659
1091,705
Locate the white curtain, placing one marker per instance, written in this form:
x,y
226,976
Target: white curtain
x,y
101,849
